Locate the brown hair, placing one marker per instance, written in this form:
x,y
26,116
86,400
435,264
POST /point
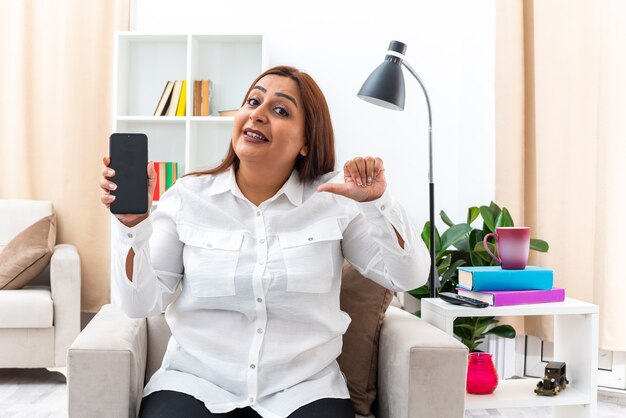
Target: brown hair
x,y
318,128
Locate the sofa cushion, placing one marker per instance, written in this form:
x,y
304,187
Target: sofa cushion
x,y
366,302
26,255
30,307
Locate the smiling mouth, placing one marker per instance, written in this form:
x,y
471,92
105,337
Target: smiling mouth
x,y
256,135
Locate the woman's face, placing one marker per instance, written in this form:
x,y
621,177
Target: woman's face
x,y
269,127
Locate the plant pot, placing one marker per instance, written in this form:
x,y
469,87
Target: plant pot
x,y
482,377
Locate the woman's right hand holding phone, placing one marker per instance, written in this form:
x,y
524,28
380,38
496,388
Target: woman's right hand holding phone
x,y
107,185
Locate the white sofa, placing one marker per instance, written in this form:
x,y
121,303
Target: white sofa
x,y
421,369
40,321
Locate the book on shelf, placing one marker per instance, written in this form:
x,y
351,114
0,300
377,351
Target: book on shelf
x,y
182,102
167,174
205,94
197,97
514,297
157,190
161,108
176,91
480,278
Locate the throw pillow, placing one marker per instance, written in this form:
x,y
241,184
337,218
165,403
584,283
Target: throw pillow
x,y
366,302
27,254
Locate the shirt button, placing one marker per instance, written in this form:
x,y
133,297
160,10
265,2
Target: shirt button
x,y
130,235
262,241
259,300
382,207
209,245
252,366
251,399
259,331
310,238
258,213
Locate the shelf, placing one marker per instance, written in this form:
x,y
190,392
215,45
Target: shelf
x,y
567,307
152,119
518,393
575,343
177,119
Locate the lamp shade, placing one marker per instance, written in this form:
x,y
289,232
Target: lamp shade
x,y
385,86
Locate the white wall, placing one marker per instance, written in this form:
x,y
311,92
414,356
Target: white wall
x,y
451,45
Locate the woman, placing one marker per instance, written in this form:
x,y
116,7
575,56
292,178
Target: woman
x,y
257,245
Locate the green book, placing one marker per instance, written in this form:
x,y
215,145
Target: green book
x,y
168,175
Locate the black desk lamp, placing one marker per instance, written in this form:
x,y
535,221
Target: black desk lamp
x,y
385,87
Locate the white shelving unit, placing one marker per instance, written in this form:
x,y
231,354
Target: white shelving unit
x,y
575,343
144,62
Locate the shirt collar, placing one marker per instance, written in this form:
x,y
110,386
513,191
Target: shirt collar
x,y
226,181
223,182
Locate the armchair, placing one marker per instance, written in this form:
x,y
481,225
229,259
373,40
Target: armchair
x,y
421,370
39,321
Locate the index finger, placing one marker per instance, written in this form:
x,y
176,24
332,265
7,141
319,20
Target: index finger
x,y
378,166
107,171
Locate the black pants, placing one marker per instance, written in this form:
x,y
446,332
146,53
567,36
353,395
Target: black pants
x,y
170,404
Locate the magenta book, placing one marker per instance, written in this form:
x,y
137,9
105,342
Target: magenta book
x,y
515,297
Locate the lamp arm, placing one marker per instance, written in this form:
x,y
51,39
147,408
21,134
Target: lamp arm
x,y
430,119
433,279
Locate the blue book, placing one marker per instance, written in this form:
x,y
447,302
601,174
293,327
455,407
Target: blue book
x,y
494,278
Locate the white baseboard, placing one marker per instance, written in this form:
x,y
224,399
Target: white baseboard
x,y
616,396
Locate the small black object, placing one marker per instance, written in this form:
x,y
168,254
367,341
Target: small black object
x,y
554,379
455,299
129,159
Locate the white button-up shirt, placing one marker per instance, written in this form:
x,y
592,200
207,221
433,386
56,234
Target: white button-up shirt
x,y
257,322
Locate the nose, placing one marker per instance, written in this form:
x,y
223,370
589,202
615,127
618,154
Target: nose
x,y
259,114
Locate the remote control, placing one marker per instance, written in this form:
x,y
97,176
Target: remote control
x,y
462,300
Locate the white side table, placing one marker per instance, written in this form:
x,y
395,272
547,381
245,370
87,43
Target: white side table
x,y
575,343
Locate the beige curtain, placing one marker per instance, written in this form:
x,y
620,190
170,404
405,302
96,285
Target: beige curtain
x,y
560,145
55,118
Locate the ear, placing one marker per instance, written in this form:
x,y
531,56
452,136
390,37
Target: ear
x,y
304,150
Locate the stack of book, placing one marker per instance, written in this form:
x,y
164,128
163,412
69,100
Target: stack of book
x,y
167,173
173,101
500,287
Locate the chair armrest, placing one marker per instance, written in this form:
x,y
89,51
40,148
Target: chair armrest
x,y
106,366
65,292
421,369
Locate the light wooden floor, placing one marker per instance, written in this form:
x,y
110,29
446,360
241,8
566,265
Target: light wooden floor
x,y
38,393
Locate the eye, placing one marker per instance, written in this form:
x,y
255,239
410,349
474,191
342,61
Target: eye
x,y
281,111
253,101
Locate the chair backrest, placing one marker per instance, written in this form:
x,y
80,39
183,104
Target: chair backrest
x,y
158,336
16,215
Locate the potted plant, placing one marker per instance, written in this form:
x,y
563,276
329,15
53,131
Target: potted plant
x,y
462,245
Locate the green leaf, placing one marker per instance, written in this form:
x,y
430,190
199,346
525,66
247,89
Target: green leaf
x,y
504,219
507,220
450,272
426,237
443,266
495,209
466,332
446,219
477,260
472,214
488,217
479,250
504,331
454,234
539,245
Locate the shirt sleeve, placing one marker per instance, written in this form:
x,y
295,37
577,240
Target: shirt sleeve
x,y
370,244
158,262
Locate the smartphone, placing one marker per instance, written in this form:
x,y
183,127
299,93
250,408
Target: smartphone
x,y
129,159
